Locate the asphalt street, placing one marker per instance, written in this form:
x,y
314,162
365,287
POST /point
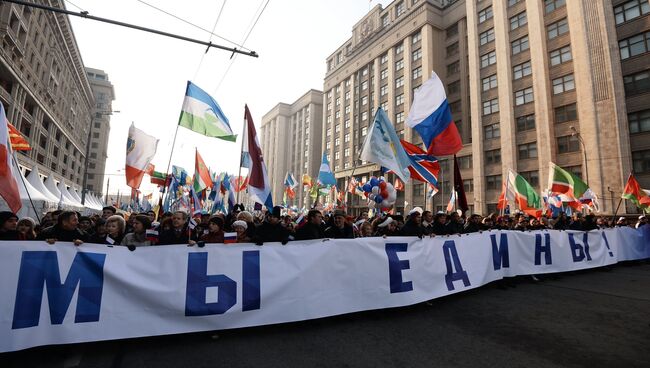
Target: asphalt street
x,y
594,318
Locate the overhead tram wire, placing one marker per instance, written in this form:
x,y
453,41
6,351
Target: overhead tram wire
x,y
86,15
198,67
233,56
192,24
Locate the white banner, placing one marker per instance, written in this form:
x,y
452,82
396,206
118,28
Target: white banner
x,y
64,294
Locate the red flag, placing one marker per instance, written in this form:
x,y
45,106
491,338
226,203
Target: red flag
x,y
8,184
459,188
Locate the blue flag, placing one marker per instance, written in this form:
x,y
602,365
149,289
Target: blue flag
x,y
325,175
382,146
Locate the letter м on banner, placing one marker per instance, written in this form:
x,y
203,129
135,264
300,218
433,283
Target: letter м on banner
x,y
38,268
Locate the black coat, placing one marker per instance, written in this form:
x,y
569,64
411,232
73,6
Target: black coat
x,y
172,236
334,232
410,228
310,231
439,229
268,232
60,234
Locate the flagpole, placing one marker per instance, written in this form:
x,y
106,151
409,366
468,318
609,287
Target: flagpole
x,y
13,156
241,154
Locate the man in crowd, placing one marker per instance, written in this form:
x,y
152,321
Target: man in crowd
x,y
108,211
472,225
8,225
427,222
272,230
179,233
66,229
439,224
313,228
413,227
340,229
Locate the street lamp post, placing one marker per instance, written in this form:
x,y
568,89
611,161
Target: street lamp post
x,y
576,134
85,176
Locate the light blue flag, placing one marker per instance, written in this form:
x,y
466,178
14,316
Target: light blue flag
x,y
382,147
325,175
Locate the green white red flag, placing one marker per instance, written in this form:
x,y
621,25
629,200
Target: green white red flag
x,y
202,177
570,187
518,190
634,193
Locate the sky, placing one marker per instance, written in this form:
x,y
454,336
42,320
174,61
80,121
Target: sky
x,y
150,72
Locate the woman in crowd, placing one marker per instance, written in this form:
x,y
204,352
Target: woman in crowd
x,y
215,231
114,229
26,228
387,228
366,230
138,238
240,228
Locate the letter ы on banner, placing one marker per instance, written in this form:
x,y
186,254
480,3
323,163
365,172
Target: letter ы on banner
x,y
198,281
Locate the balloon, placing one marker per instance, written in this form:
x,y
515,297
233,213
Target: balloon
x,y
375,190
365,194
384,193
367,187
379,199
390,186
374,182
385,204
382,185
372,196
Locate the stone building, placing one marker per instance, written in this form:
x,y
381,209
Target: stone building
x,y
517,95
290,139
45,90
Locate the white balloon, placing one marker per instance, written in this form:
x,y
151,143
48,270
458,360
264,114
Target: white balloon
x,y
385,204
372,196
392,196
375,190
389,186
371,204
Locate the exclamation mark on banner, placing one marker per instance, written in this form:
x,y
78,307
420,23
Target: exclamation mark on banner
x,y
607,245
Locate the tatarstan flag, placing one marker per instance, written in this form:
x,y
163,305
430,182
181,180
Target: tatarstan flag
x,y
518,190
564,183
202,177
634,193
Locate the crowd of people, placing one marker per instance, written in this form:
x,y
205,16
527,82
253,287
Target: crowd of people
x,y
241,226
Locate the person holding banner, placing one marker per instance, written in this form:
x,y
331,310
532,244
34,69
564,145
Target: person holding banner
x,y
240,228
271,230
8,225
340,228
178,233
313,228
66,229
215,231
115,226
138,238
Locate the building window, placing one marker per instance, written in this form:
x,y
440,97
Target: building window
x,y
364,85
486,37
561,55
337,155
417,72
364,131
43,141
337,128
384,58
399,64
567,143
346,152
453,68
484,14
384,74
337,141
364,72
639,121
384,20
563,84
491,106
489,82
347,95
493,182
416,55
400,8
399,100
338,101
464,162
550,5
641,161
337,114
346,137
525,123
451,31
492,131
364,100
519,45
527,150
416,38
518,21
347,125
347,109
637,83
488,59
453,88
329,132
557,29
493,156
364,115
328,145
399,48
521,70
630,10
532,177
452,49
399,118
399,82
635,45
383,91
468,185
524,96
566,113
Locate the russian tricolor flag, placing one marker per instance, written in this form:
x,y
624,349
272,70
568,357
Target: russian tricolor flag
x,y
430,116
229,238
